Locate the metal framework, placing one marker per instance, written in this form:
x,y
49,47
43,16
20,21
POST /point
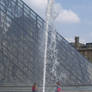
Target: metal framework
x,y
22,49
18,24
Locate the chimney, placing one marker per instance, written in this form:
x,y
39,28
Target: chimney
x,y
77,42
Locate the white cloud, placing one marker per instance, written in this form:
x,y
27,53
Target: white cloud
x,y
38,6
65,16
36,3
68,16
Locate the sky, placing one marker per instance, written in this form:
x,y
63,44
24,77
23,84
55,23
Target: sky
x,y
74,17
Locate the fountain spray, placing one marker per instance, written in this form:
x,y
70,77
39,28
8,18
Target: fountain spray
x,y
48,18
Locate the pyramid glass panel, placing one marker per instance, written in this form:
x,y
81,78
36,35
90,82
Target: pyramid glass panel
x,y
22,43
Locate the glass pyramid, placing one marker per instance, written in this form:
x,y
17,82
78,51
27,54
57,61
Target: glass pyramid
x,y
22,39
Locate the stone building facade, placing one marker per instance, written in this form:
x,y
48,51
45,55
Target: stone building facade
x,y
84,49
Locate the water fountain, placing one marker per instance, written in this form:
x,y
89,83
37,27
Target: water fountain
x,y
48,16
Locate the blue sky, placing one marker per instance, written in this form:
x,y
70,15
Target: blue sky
x,y
83,8
75,18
